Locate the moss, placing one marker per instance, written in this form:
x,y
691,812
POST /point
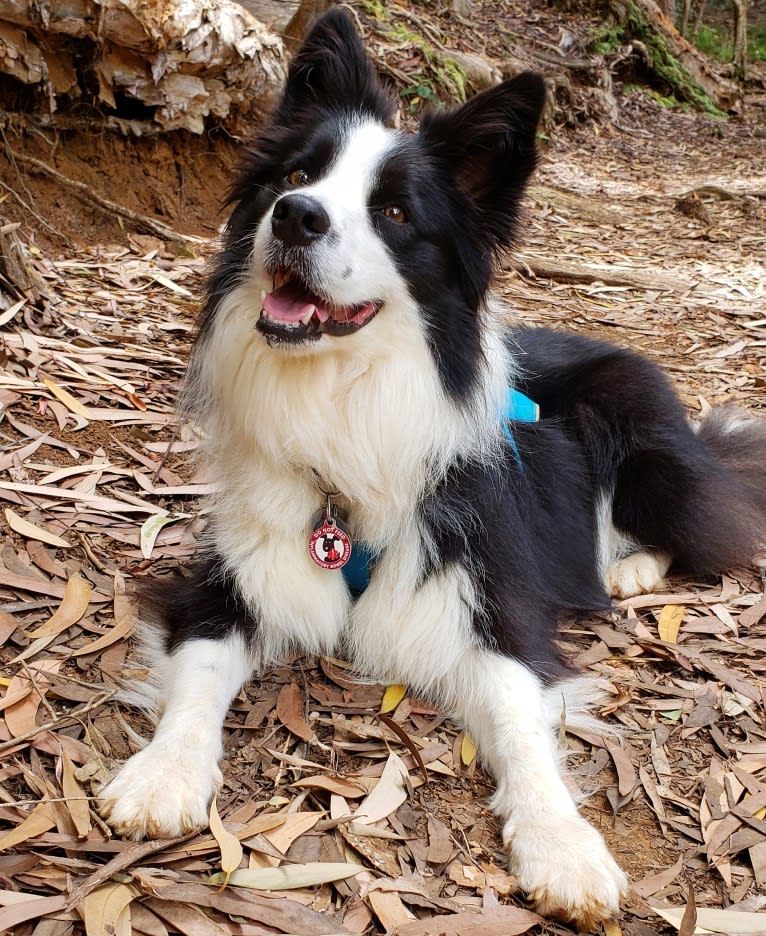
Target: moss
x,y
606,39
375,9
664,64
446,75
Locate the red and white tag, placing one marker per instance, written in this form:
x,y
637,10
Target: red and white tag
x,y
330,544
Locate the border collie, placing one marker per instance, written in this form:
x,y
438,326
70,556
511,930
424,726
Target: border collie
x,y
352,373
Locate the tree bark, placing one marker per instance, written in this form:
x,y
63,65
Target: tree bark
x,y
674,60
189,62
740,39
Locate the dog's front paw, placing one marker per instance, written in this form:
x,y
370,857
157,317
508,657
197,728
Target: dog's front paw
x,y
566,869
159,794
638,574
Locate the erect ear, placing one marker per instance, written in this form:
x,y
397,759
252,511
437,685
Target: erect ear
x,y
488,147
332,69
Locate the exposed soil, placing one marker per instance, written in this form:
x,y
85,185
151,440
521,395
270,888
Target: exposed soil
x,y
650,233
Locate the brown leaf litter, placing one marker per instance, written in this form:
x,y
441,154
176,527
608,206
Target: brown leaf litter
x,y
358,808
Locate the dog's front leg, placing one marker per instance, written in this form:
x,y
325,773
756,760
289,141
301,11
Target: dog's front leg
x,y
164,790
562,862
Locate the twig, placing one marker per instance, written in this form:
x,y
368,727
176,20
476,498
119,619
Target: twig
x,y
88,194
120,862
40,692
59,722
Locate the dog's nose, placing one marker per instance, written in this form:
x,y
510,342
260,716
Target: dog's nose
x,y
299,220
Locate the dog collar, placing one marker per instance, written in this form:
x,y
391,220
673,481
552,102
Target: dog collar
x,y
356,571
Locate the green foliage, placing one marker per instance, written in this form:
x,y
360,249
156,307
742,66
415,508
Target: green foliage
x,y
606,39
713,41
756,44
418,94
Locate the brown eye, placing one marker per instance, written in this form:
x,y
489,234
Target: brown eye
x,y
395,213
298,177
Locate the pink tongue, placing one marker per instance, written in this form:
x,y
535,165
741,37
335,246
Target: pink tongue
x,y
285,307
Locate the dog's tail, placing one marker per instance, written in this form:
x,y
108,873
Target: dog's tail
x,y
736,443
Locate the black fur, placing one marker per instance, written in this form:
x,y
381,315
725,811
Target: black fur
x,y
610,420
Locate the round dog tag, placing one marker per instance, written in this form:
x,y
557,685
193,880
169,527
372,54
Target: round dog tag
x,y
330,544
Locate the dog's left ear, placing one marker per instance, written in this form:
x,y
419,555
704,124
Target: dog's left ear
x,y
488,147
332,69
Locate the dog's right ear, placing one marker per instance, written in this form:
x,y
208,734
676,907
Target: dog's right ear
x,y
331,69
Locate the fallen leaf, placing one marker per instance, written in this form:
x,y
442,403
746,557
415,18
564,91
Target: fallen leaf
x,y
31,531
106,910
388,794
338,785
290,705
76,801
150,529
669,622
626,772
289,877
38,821
231,849
468,751
71,403
389,909
654,882
712,920
392,697
29,908
73,606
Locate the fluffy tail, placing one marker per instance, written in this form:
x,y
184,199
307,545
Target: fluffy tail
x,y
736,441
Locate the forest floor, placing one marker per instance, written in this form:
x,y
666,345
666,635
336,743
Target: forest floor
x,y
648,232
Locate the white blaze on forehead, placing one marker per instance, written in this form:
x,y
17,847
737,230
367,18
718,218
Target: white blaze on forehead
x,y
350,264
345,188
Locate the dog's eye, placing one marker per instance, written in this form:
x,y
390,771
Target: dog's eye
x,y
299,177
395,213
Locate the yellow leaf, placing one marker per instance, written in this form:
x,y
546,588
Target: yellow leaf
x,y
467,751
669,622
231,849
392,697
76,801
73,605
67,399
30,531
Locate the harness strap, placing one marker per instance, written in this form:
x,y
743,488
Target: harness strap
x,y
519,408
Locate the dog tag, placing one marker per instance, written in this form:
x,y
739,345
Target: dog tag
x,y
329,543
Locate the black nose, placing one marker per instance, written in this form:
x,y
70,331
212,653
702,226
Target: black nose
x,y
299,220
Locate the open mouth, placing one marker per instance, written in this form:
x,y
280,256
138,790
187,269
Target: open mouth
x,y
292,312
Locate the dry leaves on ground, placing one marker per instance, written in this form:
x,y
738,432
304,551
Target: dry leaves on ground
x,y
352,808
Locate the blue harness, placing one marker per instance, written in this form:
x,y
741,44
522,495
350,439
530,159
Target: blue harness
x,y
519,408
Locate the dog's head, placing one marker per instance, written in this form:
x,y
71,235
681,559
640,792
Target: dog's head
x,y
341,222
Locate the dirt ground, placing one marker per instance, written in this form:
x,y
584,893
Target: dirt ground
x,y
649,233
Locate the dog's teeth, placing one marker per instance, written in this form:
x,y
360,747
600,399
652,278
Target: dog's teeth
x,y
263,294
308,316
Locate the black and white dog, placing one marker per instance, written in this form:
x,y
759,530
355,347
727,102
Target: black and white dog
x,y
351,364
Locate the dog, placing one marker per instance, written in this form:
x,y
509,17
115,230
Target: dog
x,y
352,373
